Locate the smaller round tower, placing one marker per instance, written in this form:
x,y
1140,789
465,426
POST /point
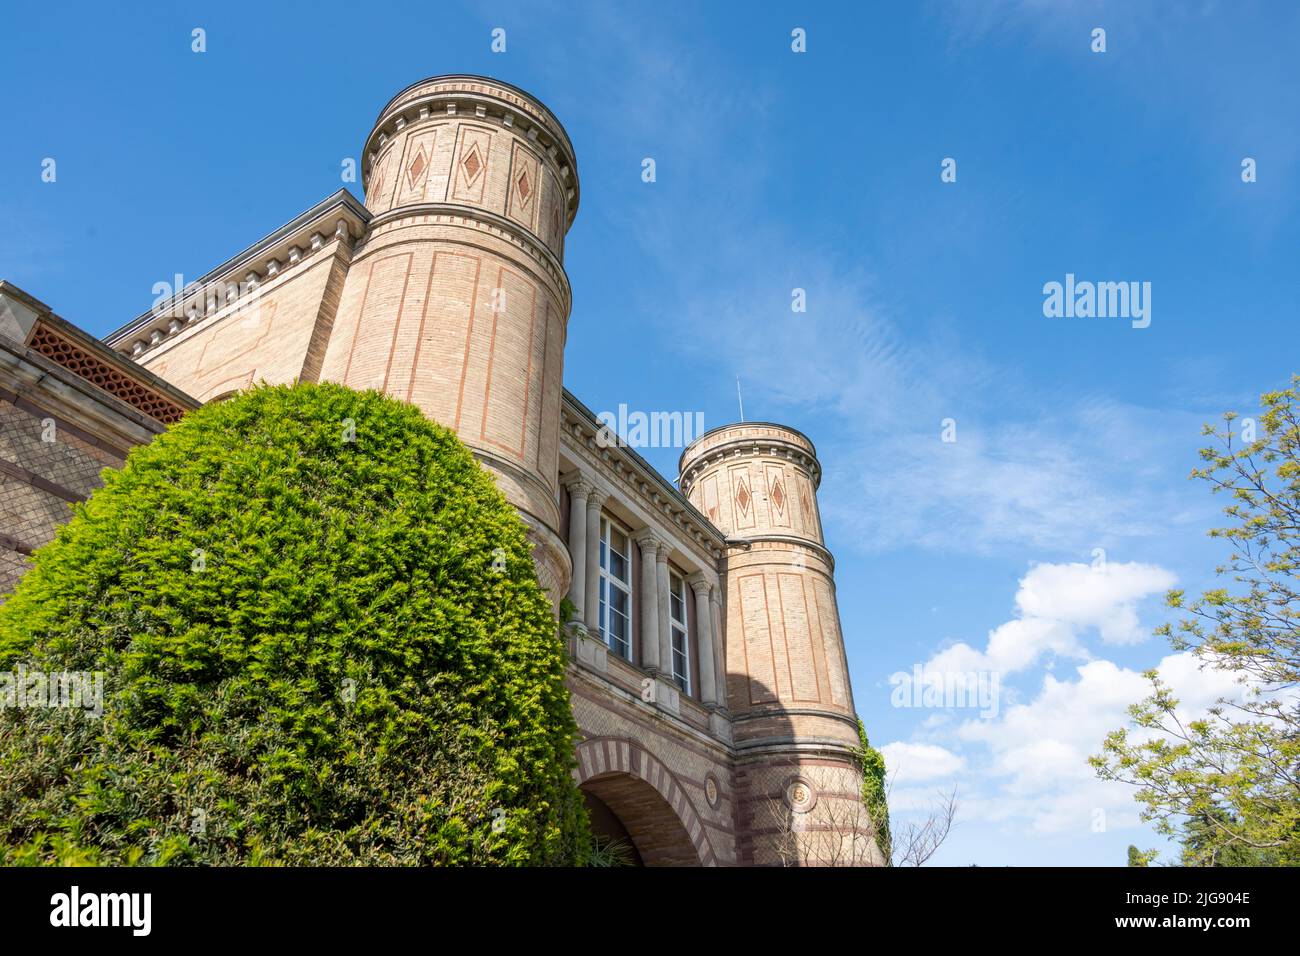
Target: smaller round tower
x,y
795,729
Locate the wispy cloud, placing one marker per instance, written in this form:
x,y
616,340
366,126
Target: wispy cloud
x,y
1026,470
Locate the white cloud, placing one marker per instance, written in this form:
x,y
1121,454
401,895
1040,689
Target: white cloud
x,y
1103,596
1012,647
1025,764
909,763
1037,753
1055,604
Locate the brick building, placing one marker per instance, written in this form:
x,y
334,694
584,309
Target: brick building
x,y
707,673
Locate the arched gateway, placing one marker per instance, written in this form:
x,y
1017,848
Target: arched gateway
x,y
650,805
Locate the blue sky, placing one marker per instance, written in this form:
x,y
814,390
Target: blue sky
x,y
820,171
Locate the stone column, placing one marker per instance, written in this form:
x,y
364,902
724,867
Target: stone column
x,y
591,599
579,489
665,613
719,645
648,599
704,629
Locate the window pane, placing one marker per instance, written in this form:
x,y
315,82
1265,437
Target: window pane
x,y
681,668
677,599
618,633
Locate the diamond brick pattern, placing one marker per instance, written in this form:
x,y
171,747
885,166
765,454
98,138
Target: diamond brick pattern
x,y
472,164
417,168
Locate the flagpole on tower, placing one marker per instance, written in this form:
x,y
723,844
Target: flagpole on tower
x,y
740,399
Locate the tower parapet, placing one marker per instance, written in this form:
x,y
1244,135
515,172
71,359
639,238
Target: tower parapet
x,y
795,728
456,300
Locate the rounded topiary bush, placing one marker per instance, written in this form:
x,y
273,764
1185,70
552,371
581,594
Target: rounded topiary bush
x,y
322,641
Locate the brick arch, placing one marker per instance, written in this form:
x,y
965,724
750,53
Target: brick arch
x,y
654,804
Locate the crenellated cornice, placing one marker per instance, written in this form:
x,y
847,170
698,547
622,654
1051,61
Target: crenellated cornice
x,y
746,439
340,217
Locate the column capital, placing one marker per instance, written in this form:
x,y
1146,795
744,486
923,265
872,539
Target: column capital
x,y
649,541
577,484
699,583
596,496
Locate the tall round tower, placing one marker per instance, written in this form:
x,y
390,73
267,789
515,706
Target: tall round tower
x,y
795,730
456,298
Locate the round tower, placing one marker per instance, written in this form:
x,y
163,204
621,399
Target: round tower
x,y
456,298
795,729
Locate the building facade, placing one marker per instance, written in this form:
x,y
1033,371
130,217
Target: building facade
x,y
707,666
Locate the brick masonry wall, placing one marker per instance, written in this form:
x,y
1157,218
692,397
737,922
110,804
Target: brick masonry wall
x,y
39,480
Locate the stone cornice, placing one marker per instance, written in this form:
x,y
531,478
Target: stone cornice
x,y
455,214
523,476
793,435
463,95
781,544
637,479
340,216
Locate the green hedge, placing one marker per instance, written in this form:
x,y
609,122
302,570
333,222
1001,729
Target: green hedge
x,y
322,641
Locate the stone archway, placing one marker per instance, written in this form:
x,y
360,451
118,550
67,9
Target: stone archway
x,y
649,801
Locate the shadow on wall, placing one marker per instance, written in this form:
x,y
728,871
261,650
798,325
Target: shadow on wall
x,y
794,810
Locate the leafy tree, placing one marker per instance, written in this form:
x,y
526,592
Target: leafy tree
x,y
1202,846
322,641
1228,784
1138,857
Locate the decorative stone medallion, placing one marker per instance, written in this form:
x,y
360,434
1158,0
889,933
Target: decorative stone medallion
x,y
711,791
800,795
